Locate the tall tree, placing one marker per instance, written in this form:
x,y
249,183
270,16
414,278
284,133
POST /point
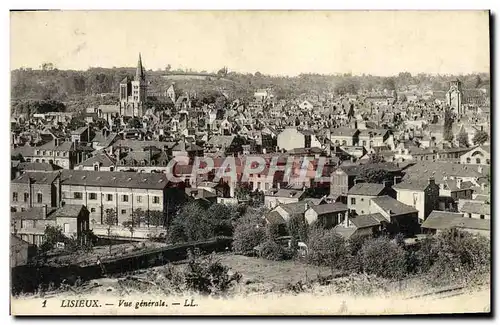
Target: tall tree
x,y
463,139
448,125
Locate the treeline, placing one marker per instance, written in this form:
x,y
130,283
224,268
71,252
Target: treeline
x,y
65,85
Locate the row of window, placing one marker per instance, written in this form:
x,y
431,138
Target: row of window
x,y
109,197
49,153
478,161
15,197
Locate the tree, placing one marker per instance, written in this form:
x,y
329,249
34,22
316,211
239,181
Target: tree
x,y
249,232
448,125
53,235
110,220
463,139
327,248
480,138
383,257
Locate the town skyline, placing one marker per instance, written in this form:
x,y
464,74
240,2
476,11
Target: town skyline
x,y
270,47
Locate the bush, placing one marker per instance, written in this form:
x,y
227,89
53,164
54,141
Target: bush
x,y
383,257
273,251
327,248
208,276
249,232
456,255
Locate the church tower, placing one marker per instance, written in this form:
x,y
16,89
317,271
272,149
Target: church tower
x,y
133,93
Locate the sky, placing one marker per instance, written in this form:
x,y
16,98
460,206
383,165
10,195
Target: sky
x,y
272,42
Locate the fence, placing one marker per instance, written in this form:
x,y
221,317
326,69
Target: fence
x,y
28,278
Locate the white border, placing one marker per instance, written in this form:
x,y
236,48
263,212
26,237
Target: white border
x,y
190,4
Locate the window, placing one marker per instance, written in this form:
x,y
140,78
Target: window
x,y
156,199
92,210
109,197
39,197
362,199
14,196
364,143
66,227
481,216
26,197
64,154
57,153
468,160
488,161
77,195
139,199
124,211
353,200
111,168
478,160
96,167
92,196
124,198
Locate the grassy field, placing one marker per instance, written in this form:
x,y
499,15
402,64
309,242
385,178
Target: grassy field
x,y
271,273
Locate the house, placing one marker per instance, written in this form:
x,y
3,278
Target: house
x,y
421,194
30,224
440,221
328,215
291,138
480,155
366,225
344,136
35,189
99,162
343,178
370,138
359,196
286,211
201,194
21,252
60,153
475,209
401,218
275,197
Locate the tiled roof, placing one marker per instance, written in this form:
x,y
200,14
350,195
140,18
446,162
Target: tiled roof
x,y
373,189
36,178
367,220
69,211
449,220
393,206
115,179
476,207
103,159
329,208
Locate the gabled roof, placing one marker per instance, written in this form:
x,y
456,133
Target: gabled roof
x,y
372,189
36,178
449,220
343,132
102,159
367,220
476,207
274,217
412,184
329,208
69,210
392,206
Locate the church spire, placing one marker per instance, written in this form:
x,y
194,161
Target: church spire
x,y
139,73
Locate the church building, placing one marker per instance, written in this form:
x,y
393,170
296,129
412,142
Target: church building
x,y
133,93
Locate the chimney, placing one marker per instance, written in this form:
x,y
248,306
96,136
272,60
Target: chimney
x,y
45,211
432,181
459,183
397,179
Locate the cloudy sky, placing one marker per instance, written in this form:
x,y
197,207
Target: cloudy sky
x,y
272,42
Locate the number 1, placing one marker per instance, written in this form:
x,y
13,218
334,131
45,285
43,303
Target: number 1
x,y
44,303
